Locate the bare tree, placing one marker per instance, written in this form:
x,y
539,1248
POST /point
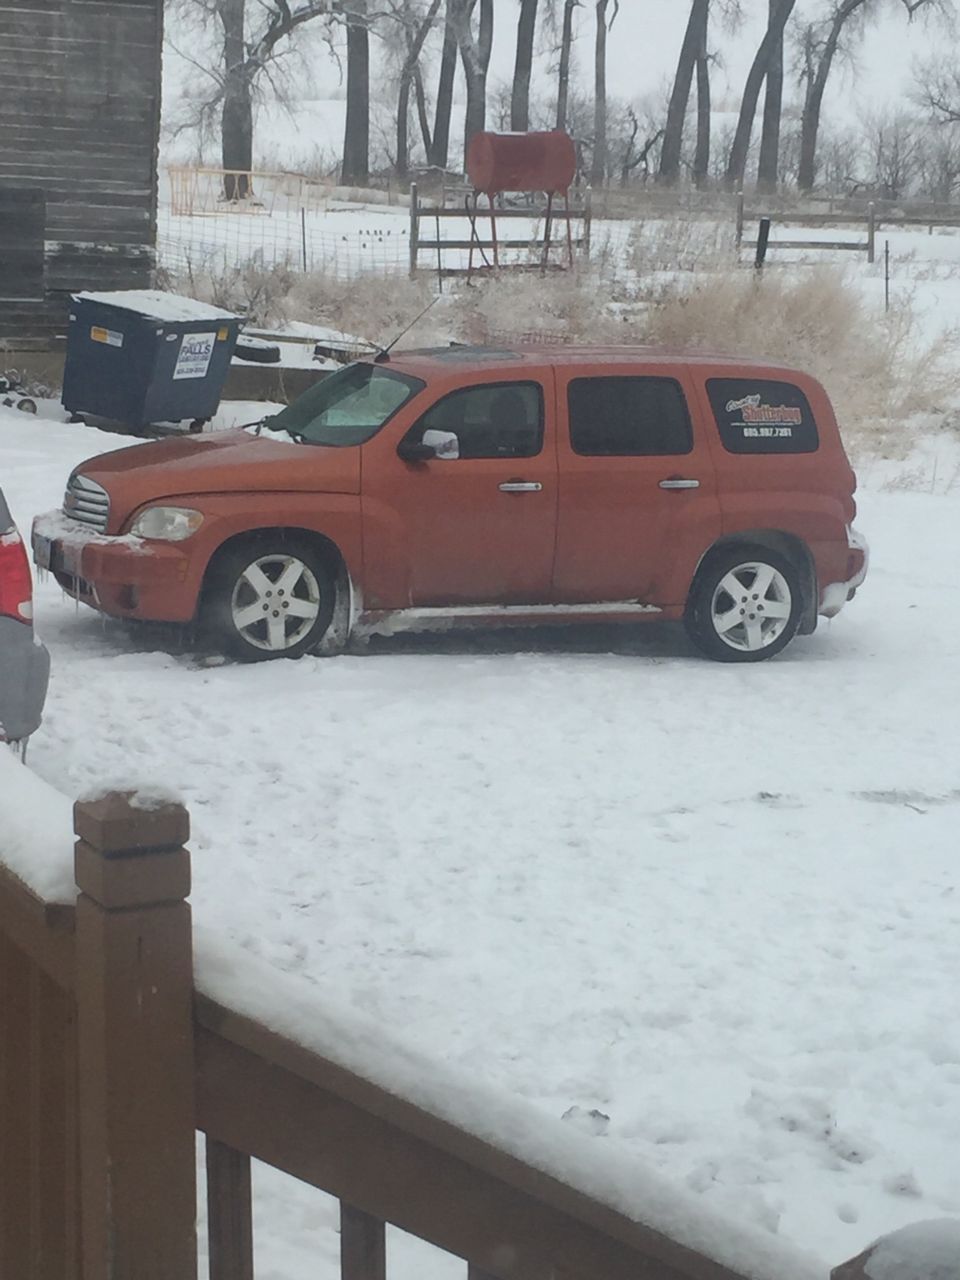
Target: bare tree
x,y
598,171
637,156
520,97
475,49
246,59
765,55
563,73
701,156
416,28
694,44
694,62
821,43
938,162
769,162
355,169
895,144
439,151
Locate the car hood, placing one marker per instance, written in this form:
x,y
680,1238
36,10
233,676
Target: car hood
x,y
230,462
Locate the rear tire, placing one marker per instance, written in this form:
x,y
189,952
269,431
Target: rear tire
x,y
272,597
745,605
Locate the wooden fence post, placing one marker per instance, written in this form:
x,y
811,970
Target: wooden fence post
x,y
871,233
414,229
134,993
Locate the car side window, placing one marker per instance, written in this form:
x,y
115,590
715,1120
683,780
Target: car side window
x,y
761,415
628,417
496,420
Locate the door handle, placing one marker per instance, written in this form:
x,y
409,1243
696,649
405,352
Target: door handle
x,y
520,486
678,482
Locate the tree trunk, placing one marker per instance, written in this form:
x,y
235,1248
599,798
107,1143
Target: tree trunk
x,y
768,169
403,120
563,75
475,56
520,95
818,72
408,73
236,120
422,115
693,39
439,152
737,162
356,135
598,169
701,158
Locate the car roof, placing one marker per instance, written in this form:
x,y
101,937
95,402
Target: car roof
x,y
464,357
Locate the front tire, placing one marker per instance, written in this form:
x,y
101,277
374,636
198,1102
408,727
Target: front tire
x,y
270,598
745,605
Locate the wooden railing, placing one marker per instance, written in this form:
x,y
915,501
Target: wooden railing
x,y
109,1061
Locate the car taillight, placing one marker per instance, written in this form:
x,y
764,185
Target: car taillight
x,y
16,587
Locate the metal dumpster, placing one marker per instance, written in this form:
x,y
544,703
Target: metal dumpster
x,y
139,357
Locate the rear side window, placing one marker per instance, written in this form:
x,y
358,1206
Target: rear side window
x,y
755,415
628,417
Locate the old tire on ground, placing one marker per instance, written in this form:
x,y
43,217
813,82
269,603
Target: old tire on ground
x,y
270,597
745,605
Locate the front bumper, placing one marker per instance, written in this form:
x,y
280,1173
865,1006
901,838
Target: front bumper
x,y
125,577
25,664
836,594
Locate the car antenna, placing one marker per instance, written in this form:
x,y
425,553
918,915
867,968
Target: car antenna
x,y
383,355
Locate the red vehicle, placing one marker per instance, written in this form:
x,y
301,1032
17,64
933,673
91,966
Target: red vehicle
x,y
24,662
466,486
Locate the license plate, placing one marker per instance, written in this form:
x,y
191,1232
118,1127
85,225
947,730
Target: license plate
x,y
42,551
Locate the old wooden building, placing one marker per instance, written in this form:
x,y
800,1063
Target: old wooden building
x,y
79,124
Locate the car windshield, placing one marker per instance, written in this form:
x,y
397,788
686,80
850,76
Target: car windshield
x,y
347,407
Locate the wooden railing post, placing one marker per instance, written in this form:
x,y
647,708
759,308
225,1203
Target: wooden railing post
x,y
363,1245
922,1251
134,993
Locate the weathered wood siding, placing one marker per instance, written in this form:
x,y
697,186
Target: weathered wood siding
x,y
79,123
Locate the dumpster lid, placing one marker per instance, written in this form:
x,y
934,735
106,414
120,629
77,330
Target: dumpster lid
x,y
169,307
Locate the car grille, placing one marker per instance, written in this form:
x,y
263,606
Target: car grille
x,y
87,502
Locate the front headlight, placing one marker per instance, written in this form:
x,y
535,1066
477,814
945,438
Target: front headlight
x,y
171,524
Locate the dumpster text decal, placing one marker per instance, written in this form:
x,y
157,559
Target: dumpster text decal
x,y
193,358
108,336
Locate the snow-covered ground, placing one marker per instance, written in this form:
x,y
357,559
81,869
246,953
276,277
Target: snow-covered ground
x,y
588,869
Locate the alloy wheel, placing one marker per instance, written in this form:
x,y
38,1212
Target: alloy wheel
x,y
751,606
275,601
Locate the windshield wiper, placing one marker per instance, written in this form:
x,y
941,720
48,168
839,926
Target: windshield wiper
x,y
298,436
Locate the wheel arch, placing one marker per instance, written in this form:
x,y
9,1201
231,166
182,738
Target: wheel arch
x,y
787,545
331,554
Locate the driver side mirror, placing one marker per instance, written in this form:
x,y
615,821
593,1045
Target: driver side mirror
x,y
415,451
444,445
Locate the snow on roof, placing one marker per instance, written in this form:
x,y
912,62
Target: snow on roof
x,y
170,307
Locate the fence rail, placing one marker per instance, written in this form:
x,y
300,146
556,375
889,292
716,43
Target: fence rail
x,y
109,1059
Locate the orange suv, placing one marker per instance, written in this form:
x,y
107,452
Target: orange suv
x,y
470,486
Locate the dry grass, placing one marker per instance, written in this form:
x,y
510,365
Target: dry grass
x,y
560,307
679,244
675,285
877,369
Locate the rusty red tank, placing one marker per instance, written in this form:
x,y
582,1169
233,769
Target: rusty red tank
x,y
521,162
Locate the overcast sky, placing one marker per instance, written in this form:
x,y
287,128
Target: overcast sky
x,y
646,39
642,53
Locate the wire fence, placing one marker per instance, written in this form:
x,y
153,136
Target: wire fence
x,y
341,244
